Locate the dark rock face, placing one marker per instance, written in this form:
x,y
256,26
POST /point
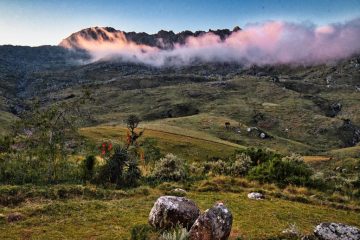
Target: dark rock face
x,y
349,134
214,224
336,231
168,211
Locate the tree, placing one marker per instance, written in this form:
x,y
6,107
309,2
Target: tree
x,y
47,135
132,123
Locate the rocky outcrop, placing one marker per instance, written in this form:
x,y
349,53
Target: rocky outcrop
x,y
349,133
169,211
336,231
214,224
162,39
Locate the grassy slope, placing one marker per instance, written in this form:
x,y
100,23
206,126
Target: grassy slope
x,y
191,145
93,219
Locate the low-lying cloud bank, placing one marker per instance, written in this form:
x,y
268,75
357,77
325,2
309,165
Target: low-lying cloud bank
x,y
272,42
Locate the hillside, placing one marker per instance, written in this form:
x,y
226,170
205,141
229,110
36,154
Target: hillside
x,y
301,108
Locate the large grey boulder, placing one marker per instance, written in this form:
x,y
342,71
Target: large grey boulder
x,y
336,231
169,211
214,224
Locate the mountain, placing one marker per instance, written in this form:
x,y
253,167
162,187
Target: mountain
x,y
307,109
162,39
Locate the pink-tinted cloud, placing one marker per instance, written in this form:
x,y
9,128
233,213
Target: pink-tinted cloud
x,y
271,42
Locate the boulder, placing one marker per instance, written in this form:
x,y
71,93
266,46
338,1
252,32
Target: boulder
x,y
336,231
214,224
14,217
256,196
169,211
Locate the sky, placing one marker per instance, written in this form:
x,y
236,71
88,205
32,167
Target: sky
x,y
47,22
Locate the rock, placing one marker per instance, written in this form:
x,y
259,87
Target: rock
x,y
262,135
256,196
14,217
214,224
336,231
168,211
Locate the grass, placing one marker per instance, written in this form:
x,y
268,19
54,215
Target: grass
x,y
191,145
113,219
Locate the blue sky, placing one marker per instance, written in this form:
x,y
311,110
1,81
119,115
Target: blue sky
x,y
40,22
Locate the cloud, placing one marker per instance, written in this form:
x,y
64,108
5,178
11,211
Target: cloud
x,y
272,42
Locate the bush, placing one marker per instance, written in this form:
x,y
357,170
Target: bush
x,y
141,232
281,172
170,168
151,150
219,167
177,233
131,174
240,166
259,156
88,167
121,169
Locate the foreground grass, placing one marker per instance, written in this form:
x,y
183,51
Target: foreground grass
x,y
113,219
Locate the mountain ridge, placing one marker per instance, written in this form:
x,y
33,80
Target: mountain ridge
x,y
162,39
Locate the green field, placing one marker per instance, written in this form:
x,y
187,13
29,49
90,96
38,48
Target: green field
x,y
113,219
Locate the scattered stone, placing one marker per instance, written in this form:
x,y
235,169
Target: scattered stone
x,y
262,135
168,211
214,224
336,231
256,196
14,217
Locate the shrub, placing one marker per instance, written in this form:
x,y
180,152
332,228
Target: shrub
x,y
293,158
240,166
88,167
177,233
141,232
219,167
259,156
131,174
170,168
282,172
121,169
151,150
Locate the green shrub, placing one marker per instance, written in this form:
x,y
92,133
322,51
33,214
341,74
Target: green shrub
x,y
131,174
121,169
177,233
88,167
281,172
258,155
141,232
170,168
151,151
240,166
